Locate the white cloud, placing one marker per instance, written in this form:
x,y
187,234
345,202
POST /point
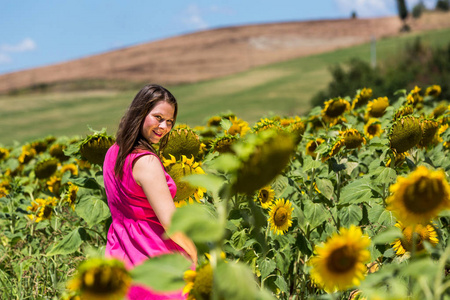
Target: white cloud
x,y
221,10
26,45
194,18
5,59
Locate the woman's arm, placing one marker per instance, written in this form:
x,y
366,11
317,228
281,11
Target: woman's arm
x,y
149,174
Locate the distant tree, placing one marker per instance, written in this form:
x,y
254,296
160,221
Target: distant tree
x,y
443,5
418,9
353,15
403,14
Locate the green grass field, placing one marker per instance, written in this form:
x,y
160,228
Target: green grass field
x,y
283,89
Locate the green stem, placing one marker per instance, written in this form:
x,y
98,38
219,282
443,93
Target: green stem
x,y
438,287
103,238
338,191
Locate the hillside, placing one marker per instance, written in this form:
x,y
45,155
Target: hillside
x,y
219,52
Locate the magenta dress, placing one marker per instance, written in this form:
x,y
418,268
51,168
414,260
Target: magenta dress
x,y
135,233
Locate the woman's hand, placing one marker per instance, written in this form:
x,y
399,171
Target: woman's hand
x,y
187,244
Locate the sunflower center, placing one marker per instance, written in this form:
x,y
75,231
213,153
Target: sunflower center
x,y
47,212
407,240
336,109
341,260
281,216
424,196
353,141
264,196
372,129
312,147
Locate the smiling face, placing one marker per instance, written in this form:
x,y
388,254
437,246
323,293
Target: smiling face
x,y
158,122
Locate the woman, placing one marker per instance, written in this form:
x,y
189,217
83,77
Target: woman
x,y
139,191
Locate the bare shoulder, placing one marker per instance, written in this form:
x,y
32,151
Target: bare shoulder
x,y
145,167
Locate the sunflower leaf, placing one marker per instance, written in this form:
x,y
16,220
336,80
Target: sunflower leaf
x,y
210,182
325,187
70,243
236,281
162,273
310,164
388,236
384,175
198,222
418,268
238,239
350,214
92,209
358,191
315,213
281,284
266,266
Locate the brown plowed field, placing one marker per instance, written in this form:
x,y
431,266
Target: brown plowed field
x,y
218,52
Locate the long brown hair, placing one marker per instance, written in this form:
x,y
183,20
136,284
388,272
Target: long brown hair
x,y
129,136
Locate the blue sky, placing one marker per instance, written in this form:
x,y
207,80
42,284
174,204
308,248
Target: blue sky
x,y
41,32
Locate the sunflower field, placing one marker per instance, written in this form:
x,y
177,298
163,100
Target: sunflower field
x,y
348,202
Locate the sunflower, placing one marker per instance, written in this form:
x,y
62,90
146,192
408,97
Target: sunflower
x,y
334,109
280,216
238,126
405,133
420,197
434,91
4,153
54,185
182,141
377,107
352,138
94,147
3,192
178,169
261,157
316,122
400,158
264,124
429,130
373,128
28,153
362,97
422,233
57,150
337,146
72,168
439,110
39,146
223,144
83,164
403,111
99,278
199,283
214,121
414,97
339,264
266,196
46,168
295,126
312,146
41,209
71,195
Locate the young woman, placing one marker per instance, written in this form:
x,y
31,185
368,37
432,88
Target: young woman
x,y
139,191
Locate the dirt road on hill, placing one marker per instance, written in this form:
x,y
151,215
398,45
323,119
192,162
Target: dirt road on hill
x,y
218,52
